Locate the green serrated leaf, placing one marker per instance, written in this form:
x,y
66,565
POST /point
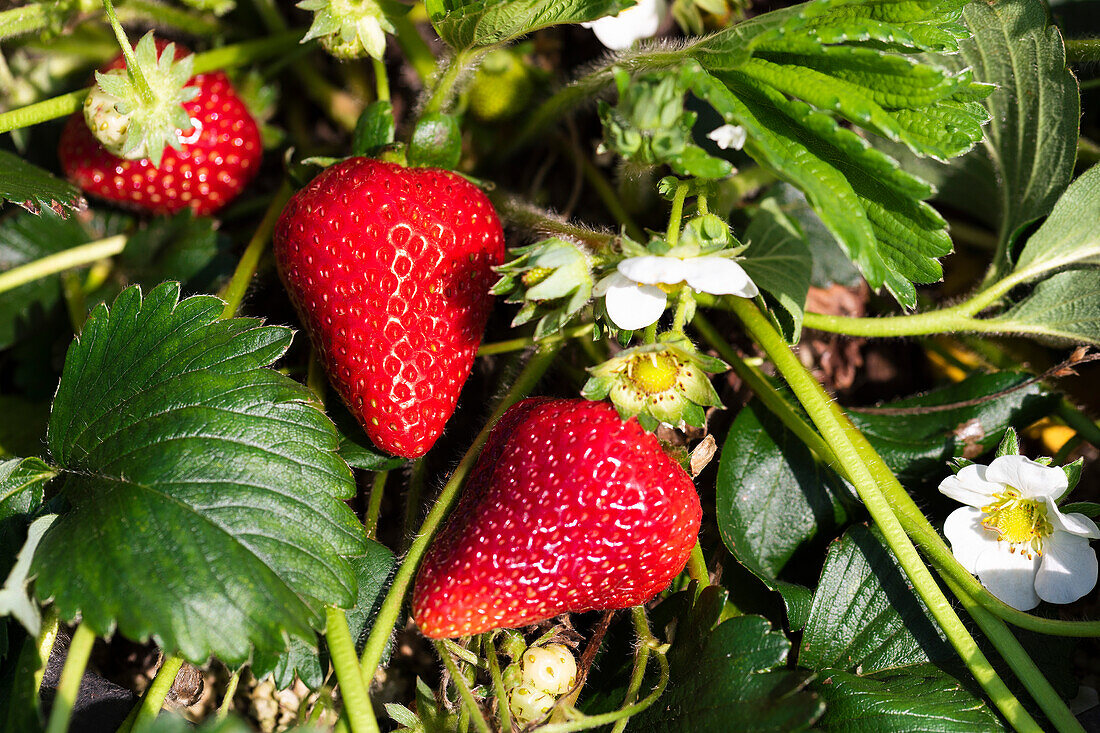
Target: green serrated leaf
x,y
491,22
922,698
1070,237
865,617
1064,308
188,460
1032,138
33,188
771,498
779,262
729,672
917,435
374,130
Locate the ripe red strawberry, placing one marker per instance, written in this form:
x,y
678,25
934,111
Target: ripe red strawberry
x,y
567,509
219,154
390,269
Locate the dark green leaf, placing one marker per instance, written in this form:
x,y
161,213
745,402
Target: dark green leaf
x,y
1070,237
373,572
179,247
490,22
33,188
920,699
779,262
1063,308
1088,508
355,447
865,616
728,675
188,461
918,435
830,264
771,497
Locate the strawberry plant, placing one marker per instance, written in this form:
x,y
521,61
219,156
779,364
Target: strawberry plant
x,y
516,365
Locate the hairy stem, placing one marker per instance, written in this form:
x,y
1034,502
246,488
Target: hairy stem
x,y
470,704
230,693
374,502
526,342
504,711
67,259
819,407
132,69
155,696
25,19
697,565
80,648
391,605
353,689
640,659
1082,50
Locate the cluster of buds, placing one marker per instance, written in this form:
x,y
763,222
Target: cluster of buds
x,y
552,279
536,680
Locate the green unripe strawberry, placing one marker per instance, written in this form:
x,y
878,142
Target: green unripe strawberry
x,y
502,87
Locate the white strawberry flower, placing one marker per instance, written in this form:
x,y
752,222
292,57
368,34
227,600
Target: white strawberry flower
x,y
1013,536
728,136
637,292
618,32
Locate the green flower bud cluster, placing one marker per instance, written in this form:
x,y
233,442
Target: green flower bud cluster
x,y
649,125
502,86
552,279
663,382
352,29
534,683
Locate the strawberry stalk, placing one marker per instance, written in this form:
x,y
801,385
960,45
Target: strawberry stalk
x,y
133,70
67,259
469,703
235,290
145,713
374,502
830,421
80,649
227,698
391,606
352,689
504,712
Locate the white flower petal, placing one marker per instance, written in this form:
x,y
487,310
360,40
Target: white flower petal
x,y
1010,575
968,537
612,280
1034,480
719,276
970,486
634,306
728,136
1073,523
653,269
1068,569
621,31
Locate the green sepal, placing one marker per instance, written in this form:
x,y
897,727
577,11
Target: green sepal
x,y
704,235
1073,474
958,464
1088,508
436,142
1010,444
552,279
374,130
352,29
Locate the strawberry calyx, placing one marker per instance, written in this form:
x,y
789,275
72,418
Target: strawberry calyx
x,y
135,115
351,29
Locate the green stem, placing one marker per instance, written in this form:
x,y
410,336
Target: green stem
x,y
166,16
374,502
672,236
412,498
230,693
22,20
234,292
46,638
504,711
697,565
1050,702
1082,50
819,407
520,213
525,342
132,69
80,648
353,687
640,660
155,696
1080,422
413,47
391,605
226,57
444,88
470,704
381,80
684,300
649,336
64,260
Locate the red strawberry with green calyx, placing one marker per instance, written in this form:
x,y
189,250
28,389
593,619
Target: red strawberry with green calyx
x,y
569,508
390,270
197,150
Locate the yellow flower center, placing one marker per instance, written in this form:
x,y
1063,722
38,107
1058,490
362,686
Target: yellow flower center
x,y
654,373
669,288
1021,522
